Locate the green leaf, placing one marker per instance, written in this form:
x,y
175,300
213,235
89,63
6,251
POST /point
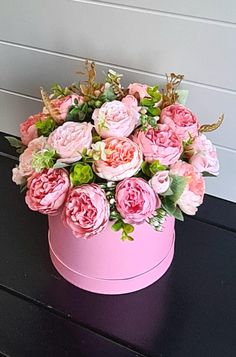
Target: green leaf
x,y
171,208
177,186
43,159
169,192
128,228
178,214
154,111
182,96
147,102
60,165
45,127
81,173
145,167
16,143
108,95
155,166
117,226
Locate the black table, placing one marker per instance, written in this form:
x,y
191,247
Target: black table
x,y
190,311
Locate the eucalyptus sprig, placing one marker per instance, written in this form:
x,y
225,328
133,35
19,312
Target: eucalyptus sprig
x,y
59,92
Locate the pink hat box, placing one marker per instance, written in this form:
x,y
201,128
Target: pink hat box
x,y
107,265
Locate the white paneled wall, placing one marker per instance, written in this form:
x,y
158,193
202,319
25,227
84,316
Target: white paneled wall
x,y
43,42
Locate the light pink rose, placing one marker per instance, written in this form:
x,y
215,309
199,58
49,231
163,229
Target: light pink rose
x,y
193,194
181,120
116,119
86,210
70,139
28,130
123,159
17,176
135,200
63,105
138,89
160,182
25,159
160,144
47,190
203,155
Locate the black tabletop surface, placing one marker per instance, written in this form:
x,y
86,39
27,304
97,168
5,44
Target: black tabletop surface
x,y
190,311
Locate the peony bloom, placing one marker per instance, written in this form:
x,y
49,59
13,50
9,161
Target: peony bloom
x,y
86,210
123,159
203,155
70,139
138,89
181,120
25,168
193,194
135,200
28,130
160,182
62,105
47,190
116,119
160,144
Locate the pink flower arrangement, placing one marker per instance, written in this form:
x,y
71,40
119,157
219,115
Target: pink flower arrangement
x,y
100,152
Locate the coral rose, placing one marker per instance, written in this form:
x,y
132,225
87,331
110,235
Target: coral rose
x,y
193,194
160,144
47,190
63,105
116,119
138,89
86,210
70,139
160,182
135,200
203,155
28,130
181,120
123,159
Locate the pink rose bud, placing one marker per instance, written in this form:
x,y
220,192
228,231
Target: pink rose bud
x,y
135,200
160,144
116,119
86,211
193,194
138,89
47,190
28,130
70,139
204,156
123,159
181,120
160,182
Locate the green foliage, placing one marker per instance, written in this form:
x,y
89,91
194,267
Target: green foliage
x,y
81,173
177,187
59,92
158,219
60,165
44,159
45,127
150,169
16,143
108,95
125,227
171,208
78,113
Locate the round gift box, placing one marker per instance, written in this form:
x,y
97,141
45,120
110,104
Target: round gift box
x,y
105,264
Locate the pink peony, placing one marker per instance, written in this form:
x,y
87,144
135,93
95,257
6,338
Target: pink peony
x,y
159,144
70,139
181,120
47,190
116,119
28,130
25,168
160,182
135,200
203,155
123,159
63,105
138,89
192,197
86,210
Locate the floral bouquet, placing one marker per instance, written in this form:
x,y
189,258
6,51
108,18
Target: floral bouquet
x,y
99,152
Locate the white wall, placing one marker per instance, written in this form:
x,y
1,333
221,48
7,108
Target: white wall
x,y
43,42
